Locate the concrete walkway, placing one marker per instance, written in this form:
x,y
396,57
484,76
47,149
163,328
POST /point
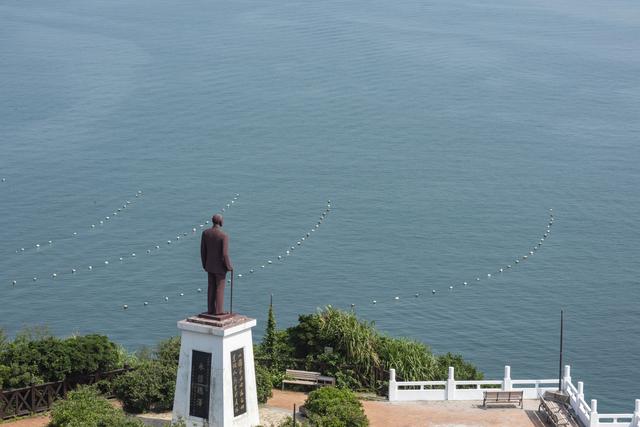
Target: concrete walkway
x,y
380,414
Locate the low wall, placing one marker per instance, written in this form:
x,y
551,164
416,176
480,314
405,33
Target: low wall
x,y
451,389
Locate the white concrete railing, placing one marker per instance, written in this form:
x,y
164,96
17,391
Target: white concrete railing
x,y
532,389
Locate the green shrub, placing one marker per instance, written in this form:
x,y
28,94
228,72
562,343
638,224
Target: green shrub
x,y
335,407
264,384
463,370
168,351
150,387
85,407
412,360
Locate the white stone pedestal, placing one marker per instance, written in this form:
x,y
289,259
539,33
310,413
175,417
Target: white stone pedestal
x,y
222,392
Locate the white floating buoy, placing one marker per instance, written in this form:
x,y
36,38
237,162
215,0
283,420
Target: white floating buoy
x,y
120,258
146,303
106,263
477,279
199,289
37,245
107,218
101,222
465,283
21,249
133,254
240,275
35,278
93,226
157,247
54,275
279,256
269,262
166,298
125,306
177,237
148,251
488,274
75,234
251,271
308,235
530,252
262,266
201,225
396,298
168,242
450,287
525,257
14,283
299,243
374,301
433,291
517,261
206,222
181,294
193,230
287,252
417,295
90,268
509,266
501,270
73,270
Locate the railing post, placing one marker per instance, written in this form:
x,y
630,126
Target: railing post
x,y
33,397
580,395
593,416
393,386
566,377
506,382
636,413
451,384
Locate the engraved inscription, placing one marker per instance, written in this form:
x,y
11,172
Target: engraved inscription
x,y
200,384
238,382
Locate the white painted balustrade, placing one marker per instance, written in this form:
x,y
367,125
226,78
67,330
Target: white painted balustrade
x,y
532,389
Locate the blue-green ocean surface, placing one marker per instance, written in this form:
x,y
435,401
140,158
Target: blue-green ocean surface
x,y
442,132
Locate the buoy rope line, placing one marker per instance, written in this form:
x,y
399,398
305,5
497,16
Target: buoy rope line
x,y
35,247
499,271
278,259
57,275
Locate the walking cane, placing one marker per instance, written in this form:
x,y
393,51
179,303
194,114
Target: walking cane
x,y
231,302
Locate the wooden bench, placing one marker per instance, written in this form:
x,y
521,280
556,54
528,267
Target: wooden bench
x,y
503,397
301,377
556,410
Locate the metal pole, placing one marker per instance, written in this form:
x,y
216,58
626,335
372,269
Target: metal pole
x,y
294,415
560,367
231,302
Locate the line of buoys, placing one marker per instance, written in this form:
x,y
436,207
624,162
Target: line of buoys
x,y
503,269
36,247
281,257
106,263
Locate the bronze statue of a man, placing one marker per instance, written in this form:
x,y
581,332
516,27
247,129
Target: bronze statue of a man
x,y
214,251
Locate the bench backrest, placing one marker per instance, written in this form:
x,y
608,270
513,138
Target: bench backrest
x,y
303,375
499,395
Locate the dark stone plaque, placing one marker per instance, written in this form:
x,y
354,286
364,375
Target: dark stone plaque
x,y
200,384
238,382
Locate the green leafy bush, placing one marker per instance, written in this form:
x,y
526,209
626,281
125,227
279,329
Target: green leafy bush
x,y
36,357
264,384
335,407
150,387
85,407
463,370
412,360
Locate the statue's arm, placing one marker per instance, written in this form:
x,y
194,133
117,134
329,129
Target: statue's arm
x,y
225,253
203,251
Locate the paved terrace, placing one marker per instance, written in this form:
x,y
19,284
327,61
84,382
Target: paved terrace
x,y
431,413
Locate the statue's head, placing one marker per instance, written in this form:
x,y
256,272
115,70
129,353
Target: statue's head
x,y
217,220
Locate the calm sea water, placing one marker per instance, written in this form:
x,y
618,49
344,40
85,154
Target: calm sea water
x,y
442,132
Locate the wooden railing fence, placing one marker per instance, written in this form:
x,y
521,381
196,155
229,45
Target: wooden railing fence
x,y
39,398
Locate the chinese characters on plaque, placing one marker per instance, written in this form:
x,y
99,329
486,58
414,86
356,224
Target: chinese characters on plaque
x,y
237,382
200,384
